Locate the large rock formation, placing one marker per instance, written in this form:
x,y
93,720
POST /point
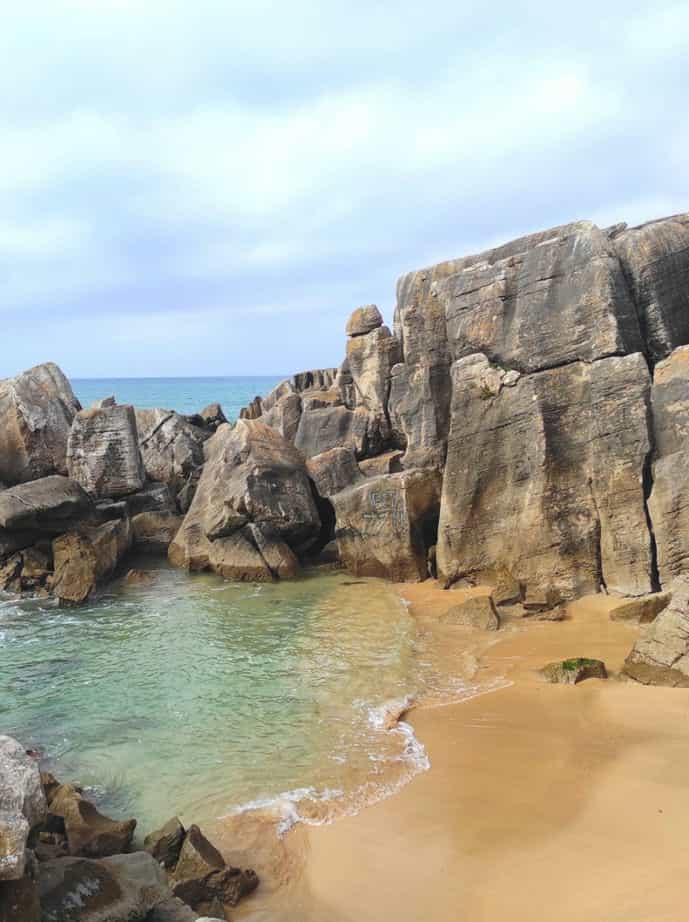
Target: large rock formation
x,y
171,447
252,477
36,412
103,452
22,806
660,655
86,557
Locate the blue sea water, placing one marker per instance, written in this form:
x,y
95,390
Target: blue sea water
x,y
185,395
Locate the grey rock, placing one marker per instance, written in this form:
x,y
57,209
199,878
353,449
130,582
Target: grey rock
x,y
22,806
103,403
103,452
390,462
284,416
660,655
334,470
333,427
174,910
371,357
477,612
154,497
44,506
171,447
280,559
36,412
642,610
364,320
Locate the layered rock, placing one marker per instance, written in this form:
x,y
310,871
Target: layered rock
x,y
544,476
36,412
22,806
103,452
385,525
172,448
334,470
370,358
660,655
44,507
86,557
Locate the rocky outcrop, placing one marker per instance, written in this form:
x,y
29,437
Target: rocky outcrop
x,y
334,470
252,477
477,612
660,655
556,458
171,447
86,557
364,320
385,525
89,833
44,506
202,876
154,532
36,412
103,452
22,806
165,843
668,506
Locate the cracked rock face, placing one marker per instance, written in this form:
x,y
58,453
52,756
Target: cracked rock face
x,y
103,452
555,458
660,655
171,447
22,806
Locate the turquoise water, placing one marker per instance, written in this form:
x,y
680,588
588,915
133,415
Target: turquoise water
x,y
186,395
195,696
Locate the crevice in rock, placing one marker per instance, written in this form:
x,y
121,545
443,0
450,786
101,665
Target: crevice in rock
x,y
647,475
326,513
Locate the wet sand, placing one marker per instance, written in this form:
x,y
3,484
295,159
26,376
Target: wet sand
x,y
542,802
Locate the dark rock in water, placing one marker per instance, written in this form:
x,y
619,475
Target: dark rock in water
x,y
36,412
103,452
121,888
660,655
171,447
334,470
477,612
572,671
86,557
89,833
202,875
165,843
364,320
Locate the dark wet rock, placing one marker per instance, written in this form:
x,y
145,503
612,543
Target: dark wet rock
x,y
572,671
45,506
85,558
165,843
642,610
27,570
660,655
334,470
103,452
171,447
36,412
202,875
89,833
154,532
477,612
364,320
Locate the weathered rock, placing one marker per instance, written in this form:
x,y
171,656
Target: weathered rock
x,y
103,403
419,413
333,427
284,416
364,320
508,590
655,259
642,610
174,910
660,655
19,901
667,504
477,612
387,463
22,806
213,416
541,599
122,888
36,412
201,874
371,357
545,477
46,506
26,570
103,452
85,558
154,532
252,476
385,525
89,833
572,671
165,843
171,447
153,497
277,555
334,470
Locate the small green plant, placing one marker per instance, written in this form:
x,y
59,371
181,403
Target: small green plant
x,y
486,392
571,665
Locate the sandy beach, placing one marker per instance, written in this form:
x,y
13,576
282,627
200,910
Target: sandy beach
x,y
541,802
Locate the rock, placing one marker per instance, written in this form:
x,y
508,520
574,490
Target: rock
x,y
333,427
154,532
36,412
85,558
19,901
508,590
22,806
213,416
252,476
387,463
419,411
103,403
153,497
545,478
174,910
334,470
371,357
26,570
477,612
46,506
122,888
655,264
89,833
541,600
201,874
165,843
385,525
364,320
572,671
103,452
642,610
253,411
667,503
279,558
171,447
660,655
138,577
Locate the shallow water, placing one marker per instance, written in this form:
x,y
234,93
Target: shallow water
x,y
195,696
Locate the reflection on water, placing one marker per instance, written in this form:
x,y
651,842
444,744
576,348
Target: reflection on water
x,y
193,696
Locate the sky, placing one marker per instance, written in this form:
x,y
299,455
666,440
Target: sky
x,y
210,187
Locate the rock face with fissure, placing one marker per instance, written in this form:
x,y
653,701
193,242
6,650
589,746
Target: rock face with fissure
x,y
103,453
172,448
660,656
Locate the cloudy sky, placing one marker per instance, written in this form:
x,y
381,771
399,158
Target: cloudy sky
x,y
210,187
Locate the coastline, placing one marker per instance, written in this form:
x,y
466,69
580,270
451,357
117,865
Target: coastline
x,y
541,800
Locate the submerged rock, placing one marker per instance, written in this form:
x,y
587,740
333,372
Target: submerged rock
x,y
660,655
103,452
572,671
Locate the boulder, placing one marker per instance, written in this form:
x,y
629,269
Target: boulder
x,y
103,452
36,412
642,610
544,477
333,427
387,463
43,507
371,357
667,505
660,655
334,470
284,416
364,320
252,476
153,497
477,612
174,910
122,888
89,833
385,524
165,843
277,555
22,806
154,532
85,558
171,447
572,671
27,570
202,875
212,416
507,590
